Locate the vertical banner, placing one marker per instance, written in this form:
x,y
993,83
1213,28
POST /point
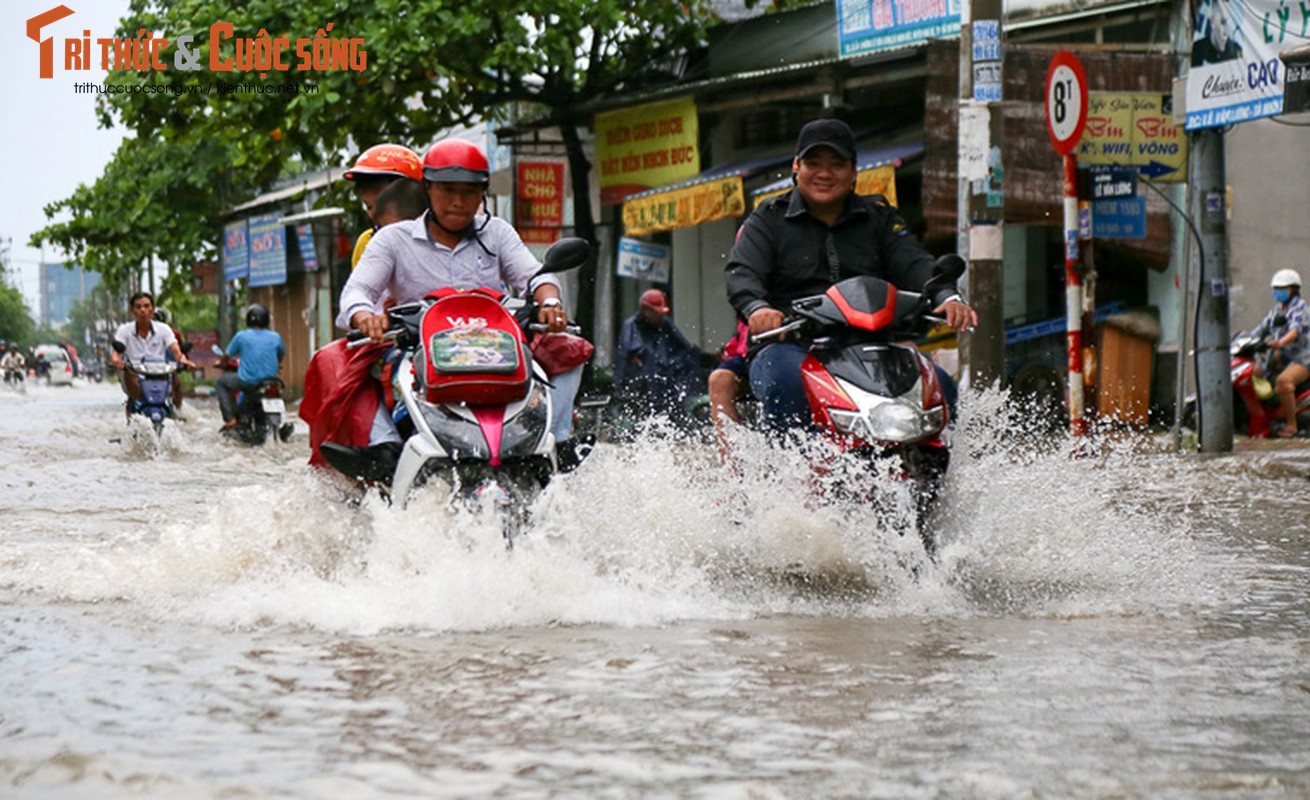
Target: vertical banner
x,y
236,251
1236,74
305,239
645,147
268,251
539,200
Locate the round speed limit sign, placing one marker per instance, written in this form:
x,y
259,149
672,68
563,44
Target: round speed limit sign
x,y
1066,101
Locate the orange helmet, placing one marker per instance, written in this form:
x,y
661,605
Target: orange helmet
x,y
456,161
387,159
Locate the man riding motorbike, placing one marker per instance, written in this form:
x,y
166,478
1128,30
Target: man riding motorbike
x,y
144,338
377,168
809,238
451,244
259,352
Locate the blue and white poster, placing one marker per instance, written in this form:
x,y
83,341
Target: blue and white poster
x,y
268,251
236,251
867,26
1236,74
645,261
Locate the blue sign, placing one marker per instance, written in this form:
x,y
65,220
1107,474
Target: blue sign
x,y
236,251
1120,218
646,261
268,251
305,238
867,26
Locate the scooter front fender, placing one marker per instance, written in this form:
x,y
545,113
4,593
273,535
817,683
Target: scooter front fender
x,y
418,451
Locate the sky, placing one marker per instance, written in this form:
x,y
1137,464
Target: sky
x,y
49,136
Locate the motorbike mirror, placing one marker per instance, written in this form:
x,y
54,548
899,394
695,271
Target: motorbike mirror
x,y
949,268
118,346
185,347
566,254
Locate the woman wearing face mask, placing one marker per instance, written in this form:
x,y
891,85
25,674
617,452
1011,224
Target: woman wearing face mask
x,y
1289,350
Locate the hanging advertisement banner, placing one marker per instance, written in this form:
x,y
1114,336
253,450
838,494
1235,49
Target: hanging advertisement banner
x,y
268,251
646,146
878,179
1236,75
236,251
865,26
685,207
539,194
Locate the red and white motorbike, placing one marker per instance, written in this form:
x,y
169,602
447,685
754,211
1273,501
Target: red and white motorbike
x,y
870,390
471,400
1255,404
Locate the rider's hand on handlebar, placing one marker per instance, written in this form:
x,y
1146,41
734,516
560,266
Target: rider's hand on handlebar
x,y
763,320
371,325
555,318
958,315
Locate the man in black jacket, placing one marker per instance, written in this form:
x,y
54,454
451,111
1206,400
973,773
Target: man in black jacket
x,y
809,238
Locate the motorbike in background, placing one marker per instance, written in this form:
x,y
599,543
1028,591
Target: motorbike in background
x,y
471,400
871,392
259,411
156,379
1255,403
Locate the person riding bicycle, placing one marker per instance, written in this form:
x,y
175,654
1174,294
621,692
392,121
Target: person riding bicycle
x,y
452,244
1287,326
259,352
12,363
805,240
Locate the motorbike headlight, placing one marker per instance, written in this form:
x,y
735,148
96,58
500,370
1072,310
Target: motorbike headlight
x,y
522,433
461,438
903,420
851,423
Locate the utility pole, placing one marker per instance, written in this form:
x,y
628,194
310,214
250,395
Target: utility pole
x,y
1214,391
981,198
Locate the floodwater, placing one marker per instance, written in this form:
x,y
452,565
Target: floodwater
x,y
191,618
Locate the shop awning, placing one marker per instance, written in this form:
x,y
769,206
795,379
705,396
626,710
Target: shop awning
x,y
875,172
716,193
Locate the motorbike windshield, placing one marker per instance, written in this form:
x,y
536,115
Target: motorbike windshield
x,y
865,303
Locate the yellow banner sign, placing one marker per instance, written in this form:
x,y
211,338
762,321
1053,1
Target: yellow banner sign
x,y
646,146
685,207
874,180
1133,129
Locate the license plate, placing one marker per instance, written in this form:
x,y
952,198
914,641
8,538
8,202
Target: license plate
x,y
273,405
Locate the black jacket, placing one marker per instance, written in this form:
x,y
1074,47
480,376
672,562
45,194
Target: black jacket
x,y
783,253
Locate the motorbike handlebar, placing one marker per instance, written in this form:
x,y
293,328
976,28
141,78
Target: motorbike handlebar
x,y
538,327
778,332
357,339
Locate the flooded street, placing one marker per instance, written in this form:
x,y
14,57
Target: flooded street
x,y
192,618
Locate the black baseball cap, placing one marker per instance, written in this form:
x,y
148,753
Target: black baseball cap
x,y
826,133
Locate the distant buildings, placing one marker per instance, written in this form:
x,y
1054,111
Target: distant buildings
x,y
61,287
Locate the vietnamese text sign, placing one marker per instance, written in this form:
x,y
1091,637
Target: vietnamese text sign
x,y
1121,218
1236,74
268,251
644,260
865,26
646,146
1113,182
540,194
685,207
1134,129
879,179
236,251
305,240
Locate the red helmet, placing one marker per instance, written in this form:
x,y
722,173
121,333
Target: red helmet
x,y
387,159
456,161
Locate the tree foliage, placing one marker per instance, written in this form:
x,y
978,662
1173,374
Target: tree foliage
x,y
431,64
15,320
